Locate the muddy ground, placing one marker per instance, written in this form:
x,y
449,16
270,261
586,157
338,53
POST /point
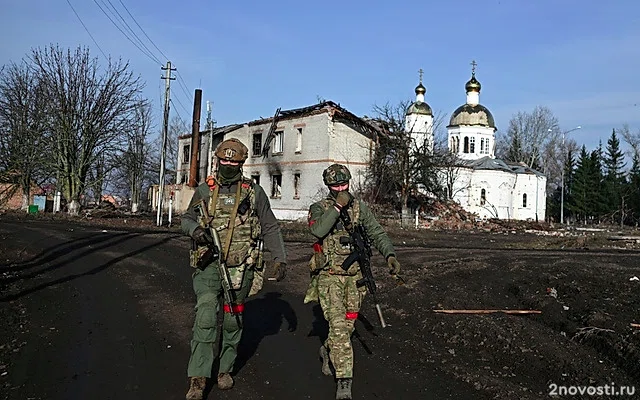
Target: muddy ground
x,y
585,286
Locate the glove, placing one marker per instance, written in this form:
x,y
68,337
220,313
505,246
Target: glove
x,y
394,265
201,236
279,272
343,199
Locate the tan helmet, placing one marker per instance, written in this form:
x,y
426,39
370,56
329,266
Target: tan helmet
x,y
232,150
336,174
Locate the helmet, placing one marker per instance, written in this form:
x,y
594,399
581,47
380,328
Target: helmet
x,y
232,150
336,174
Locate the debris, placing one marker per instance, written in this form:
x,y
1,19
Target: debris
x,y
635,325
634,278
552,292
488,311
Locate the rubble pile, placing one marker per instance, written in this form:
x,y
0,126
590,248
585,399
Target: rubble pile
x,y
449,215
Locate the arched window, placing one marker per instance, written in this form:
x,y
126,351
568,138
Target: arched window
x,y
483,197
466,144
524,200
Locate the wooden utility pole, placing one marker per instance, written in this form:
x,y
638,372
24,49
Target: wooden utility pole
x,y
165,127
195,140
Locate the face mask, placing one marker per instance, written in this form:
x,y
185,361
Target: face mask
x,y
229,173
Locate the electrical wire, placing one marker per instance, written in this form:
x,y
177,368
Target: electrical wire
x,y
125,35
143,31
87,29
126,25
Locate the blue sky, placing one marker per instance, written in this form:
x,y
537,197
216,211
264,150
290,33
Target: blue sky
x,y
579,58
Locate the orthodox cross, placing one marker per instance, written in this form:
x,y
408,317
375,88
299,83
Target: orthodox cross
x,y
473,67
420,72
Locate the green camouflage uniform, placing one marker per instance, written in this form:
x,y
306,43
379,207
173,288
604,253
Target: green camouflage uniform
x,y
337,292
258,220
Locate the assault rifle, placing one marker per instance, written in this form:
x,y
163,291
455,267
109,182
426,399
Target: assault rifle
x,y
361,254
205,221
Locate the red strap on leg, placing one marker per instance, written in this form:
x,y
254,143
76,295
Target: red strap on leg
x,y
237,308
351,315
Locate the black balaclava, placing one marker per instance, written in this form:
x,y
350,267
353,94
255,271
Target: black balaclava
x,y
228,174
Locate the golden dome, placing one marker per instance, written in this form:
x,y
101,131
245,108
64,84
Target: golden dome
x,y
420,89
473,85
472,115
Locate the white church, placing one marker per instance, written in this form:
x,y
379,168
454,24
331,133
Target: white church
x,y
480,183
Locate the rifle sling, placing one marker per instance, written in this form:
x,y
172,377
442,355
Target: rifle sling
x,y
232,218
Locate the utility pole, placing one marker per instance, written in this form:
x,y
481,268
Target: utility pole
x,y
165,127
210,124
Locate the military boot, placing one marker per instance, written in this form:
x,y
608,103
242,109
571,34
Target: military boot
x,y
225,381
324,357
196,388
343,391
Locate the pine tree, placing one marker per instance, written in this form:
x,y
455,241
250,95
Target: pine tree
x,y
634,189
614,176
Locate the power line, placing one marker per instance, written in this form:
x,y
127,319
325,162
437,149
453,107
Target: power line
x,y
143,31
181,105
126,25
86,29
125,35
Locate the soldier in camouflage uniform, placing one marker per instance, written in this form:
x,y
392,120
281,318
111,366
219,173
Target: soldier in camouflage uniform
x,y
337,292
227,194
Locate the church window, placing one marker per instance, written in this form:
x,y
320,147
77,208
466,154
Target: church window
x,y
466,144
524,200
486,146
483,197
472,145
186,154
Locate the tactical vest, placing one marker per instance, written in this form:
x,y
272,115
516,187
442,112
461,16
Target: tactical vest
x,y
337,245
243,250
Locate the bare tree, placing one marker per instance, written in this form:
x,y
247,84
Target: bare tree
x,y
632,139
527,137
23,134
90,110
134,163
400,166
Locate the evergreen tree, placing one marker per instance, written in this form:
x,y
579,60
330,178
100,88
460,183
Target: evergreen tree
x,y
634,189
614,177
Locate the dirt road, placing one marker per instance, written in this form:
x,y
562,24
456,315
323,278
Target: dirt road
x,y
107,315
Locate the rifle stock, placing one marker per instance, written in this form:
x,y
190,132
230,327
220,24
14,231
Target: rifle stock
x,y
205,221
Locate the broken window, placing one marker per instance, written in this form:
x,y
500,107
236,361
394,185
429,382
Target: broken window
x,y
299,141
466,144
472,145
186,153
296,185
524,200
255,178
276,186
483,197
257,144
278,142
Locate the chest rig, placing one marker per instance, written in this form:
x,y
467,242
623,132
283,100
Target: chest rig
x,y
337,245
235,219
